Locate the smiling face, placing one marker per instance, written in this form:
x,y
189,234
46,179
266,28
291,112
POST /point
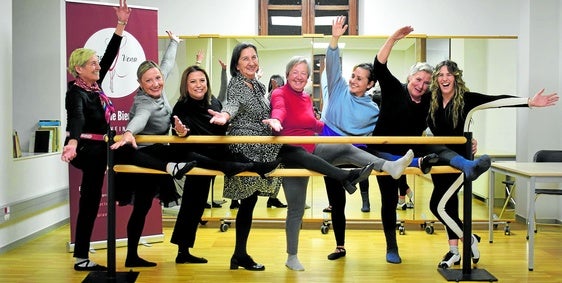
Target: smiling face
x,y
446,81
298,76
90,71
248,63
418,84
359,82
152,82
197,85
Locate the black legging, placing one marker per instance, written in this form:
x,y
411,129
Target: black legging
x,y
298,156
444,203
389,198
194,198
141,205
403,185
244,224
337,199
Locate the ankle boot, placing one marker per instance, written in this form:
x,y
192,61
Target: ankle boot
x,y
366,204
275,202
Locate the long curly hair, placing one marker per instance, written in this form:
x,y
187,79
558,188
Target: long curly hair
x,y
437,97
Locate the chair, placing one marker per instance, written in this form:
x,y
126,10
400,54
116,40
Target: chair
x,y
547,156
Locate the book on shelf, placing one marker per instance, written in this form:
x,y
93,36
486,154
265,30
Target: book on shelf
x,y
17,146
43,123
43,141
54,127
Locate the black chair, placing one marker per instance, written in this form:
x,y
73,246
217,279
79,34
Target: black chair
x,y
547,156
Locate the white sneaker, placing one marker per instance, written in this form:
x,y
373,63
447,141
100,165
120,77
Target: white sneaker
x,y
401,206
474,248
449,260
410,204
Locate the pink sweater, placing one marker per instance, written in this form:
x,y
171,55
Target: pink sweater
x,y
294,111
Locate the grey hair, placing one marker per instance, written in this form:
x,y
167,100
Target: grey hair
x,y
420,66
295,61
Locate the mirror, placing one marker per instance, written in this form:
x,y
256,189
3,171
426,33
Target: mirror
x,y
489,66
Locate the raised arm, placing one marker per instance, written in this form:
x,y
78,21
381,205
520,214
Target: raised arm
x,y
338,29
123,13
384,52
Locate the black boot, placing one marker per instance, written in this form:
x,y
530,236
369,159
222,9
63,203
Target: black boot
x,y
356,176
264,168
234,204
275,202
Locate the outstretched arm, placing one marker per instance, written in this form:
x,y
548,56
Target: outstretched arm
x,y
384,52
540,100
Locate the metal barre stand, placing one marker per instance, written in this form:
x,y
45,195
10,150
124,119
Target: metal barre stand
x,y
466,273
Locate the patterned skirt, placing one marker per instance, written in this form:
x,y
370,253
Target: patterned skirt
x,y
243,187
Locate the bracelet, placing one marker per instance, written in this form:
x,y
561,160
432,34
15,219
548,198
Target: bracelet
x,y
119,22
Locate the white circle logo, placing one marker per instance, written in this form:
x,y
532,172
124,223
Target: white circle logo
x,y
121,79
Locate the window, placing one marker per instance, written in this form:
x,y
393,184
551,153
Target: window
x,y
298,17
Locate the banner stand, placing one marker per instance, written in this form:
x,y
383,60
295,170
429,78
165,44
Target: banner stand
x,y
111,275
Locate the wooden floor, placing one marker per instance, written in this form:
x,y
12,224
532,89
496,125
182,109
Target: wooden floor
x,y
45,259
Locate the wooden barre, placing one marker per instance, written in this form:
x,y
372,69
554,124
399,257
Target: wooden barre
x,y
280,172
296,139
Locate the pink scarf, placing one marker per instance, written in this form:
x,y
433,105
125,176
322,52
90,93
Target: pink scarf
x,y
106,103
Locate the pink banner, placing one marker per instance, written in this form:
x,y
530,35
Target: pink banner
x,y
91,26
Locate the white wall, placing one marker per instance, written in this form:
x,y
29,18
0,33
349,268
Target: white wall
x,y
6,107
539,50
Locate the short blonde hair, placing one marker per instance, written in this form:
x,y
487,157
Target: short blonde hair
x,y
79,57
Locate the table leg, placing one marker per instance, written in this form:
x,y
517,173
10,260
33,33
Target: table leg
x,y
531,221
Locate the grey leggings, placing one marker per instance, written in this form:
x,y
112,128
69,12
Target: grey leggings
x,y
295,187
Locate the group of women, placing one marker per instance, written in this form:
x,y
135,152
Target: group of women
x,y
248,111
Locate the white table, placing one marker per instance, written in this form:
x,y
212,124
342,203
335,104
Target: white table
x,y
532,172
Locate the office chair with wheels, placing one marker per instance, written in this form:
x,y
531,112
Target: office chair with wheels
x,y
547,156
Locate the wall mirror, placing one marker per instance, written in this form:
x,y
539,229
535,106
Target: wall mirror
x,y
489,66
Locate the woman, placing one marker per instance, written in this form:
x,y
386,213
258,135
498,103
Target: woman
x,y
191,116
247,110
350,112
88,111
292,115
149,115
451,106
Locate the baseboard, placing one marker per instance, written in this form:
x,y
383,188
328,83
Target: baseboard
x,y
98,245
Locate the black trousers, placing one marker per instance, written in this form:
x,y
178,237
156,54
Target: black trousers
x,y
195,193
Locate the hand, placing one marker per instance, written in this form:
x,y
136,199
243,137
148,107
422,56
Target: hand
x,y
338,26
540,100
127,138
219,118
123,12
199,56
173,37
474,146
402,32
223,65
180,128
69,151
274,124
